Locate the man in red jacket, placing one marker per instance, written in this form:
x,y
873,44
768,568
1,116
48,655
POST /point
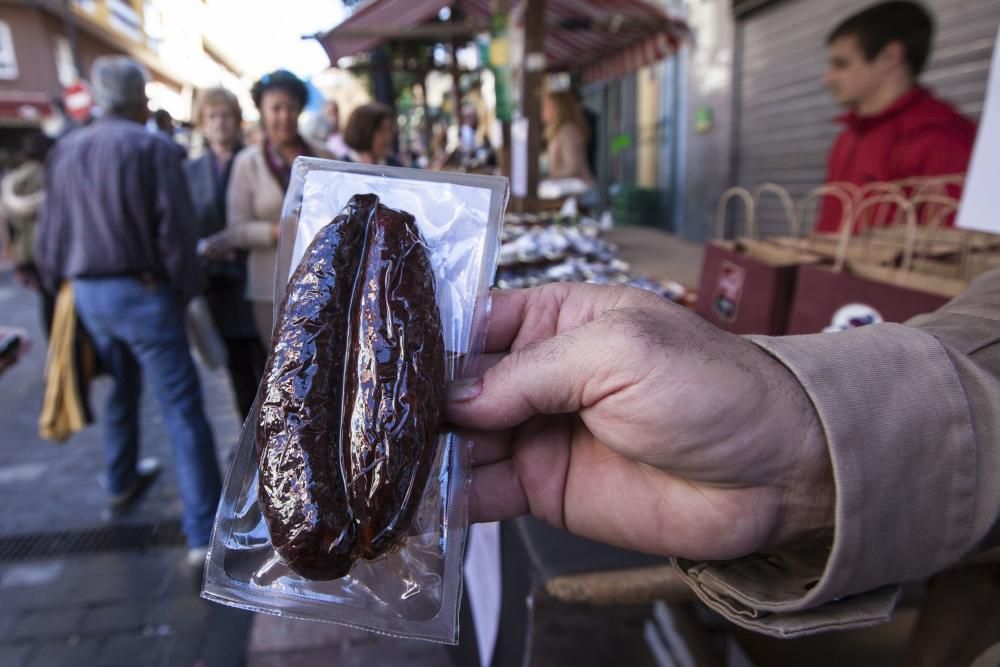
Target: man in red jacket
x,y
894,128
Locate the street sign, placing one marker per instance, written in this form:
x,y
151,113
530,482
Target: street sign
x,y
78,101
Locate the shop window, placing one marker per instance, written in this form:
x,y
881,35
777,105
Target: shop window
x,y
152,21
65,66
8,61
125,19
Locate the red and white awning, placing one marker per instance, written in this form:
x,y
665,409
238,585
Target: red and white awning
x,y
377,14
650,50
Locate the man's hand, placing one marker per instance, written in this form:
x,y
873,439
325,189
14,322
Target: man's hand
x,y
218,247
623,418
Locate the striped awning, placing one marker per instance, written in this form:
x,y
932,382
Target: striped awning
x,y
397,15
601,39
630,58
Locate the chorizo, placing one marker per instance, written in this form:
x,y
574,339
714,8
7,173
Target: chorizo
x,y
352,393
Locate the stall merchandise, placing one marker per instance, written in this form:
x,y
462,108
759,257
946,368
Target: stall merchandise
x,y
538,249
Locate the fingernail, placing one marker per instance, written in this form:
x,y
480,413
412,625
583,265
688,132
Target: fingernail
x,y
465,389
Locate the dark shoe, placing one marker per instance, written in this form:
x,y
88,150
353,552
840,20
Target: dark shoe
x,y
148,470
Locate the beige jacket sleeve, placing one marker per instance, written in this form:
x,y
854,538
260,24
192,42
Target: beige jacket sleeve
x,y
911,415
244,227
21,191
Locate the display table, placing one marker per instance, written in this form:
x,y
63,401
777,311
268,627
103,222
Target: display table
x,y
658,255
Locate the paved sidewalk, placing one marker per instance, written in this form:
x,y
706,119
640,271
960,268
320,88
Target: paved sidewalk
x,y
97,603
115,609
286,642
52,487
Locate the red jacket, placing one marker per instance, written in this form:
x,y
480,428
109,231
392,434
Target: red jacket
x,y
918,135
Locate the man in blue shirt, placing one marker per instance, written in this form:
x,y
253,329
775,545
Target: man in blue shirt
x,y
118,224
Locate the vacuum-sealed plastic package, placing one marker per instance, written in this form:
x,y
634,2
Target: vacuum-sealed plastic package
x,y
346,501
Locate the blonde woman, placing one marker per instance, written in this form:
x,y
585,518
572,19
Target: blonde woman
x,y
567,135
219,117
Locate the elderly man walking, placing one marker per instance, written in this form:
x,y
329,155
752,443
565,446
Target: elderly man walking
x,y
119,224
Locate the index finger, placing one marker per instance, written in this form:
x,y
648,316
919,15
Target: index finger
x,y
507,308
520,317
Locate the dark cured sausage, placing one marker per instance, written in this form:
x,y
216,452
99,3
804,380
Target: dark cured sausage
x,y
352,393
298,482
394,383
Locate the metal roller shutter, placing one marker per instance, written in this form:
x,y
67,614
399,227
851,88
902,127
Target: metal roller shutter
x,y
785,114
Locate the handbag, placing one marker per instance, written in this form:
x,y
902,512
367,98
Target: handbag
x,y
71,363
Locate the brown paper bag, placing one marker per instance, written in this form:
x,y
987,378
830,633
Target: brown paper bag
x,y
850,293
873,212
860,207
947,247
746,285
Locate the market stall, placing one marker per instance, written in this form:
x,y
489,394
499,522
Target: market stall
x,y
595,41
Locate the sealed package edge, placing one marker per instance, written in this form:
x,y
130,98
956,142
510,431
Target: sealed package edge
x,y
346,501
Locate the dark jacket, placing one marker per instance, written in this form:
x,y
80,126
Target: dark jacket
x,y
117,204
225,281
918,135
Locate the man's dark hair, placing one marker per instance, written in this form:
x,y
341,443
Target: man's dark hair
x,y
880,25
280,79
364,123
164,121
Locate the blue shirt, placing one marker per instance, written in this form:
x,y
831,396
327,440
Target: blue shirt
x,y
117,204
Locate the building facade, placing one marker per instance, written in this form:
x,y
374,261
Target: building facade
x,y
47,45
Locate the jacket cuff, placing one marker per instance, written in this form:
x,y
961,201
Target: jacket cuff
x,y
735,590
902,447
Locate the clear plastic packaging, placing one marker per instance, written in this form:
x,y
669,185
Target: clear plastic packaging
x,y
414,588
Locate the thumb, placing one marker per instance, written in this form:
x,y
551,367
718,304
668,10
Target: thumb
x,y
550,376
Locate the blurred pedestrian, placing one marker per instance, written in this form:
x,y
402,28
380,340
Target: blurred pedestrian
x,y
370,135
439,155
894,128
22,192
163,124
117,223
260,176
468,129
475,151
335,136
218,116
567,135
